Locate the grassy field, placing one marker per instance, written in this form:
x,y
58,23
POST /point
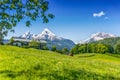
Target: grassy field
x,y
30,64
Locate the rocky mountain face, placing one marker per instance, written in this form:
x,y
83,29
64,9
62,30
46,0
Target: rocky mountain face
x,y
98,36
50,38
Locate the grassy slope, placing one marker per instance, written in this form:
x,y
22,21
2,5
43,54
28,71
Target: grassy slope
x,y
30,64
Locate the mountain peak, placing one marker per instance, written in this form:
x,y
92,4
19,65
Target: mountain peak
x,y
102,35
47,35
98,36
46,31
26,34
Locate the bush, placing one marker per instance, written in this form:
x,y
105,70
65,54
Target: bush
x,y
54,48
117,48
1,43
65,51
34,44
11,41
59,51
26,47
45,48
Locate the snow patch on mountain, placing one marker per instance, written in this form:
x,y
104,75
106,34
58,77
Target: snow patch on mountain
x,y
98,36
47,35
26,35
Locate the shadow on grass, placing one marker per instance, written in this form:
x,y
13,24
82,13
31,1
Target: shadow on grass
x,y
114,55
85,56
66,74
29,72
9,73
78,75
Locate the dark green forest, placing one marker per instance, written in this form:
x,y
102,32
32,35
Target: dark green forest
x,y
108,45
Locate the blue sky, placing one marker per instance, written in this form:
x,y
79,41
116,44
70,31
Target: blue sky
x,y
78,19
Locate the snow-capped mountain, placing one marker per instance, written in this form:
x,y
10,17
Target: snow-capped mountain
x,y
50,38
26,35
47,35
98,36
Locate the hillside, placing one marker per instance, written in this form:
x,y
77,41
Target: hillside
x,y
30,64
109,41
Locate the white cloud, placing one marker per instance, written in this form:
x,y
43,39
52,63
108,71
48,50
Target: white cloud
x,y
100,14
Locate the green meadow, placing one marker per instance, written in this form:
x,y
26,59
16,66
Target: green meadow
x,y
31,64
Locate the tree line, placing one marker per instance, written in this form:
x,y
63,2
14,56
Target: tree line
x,y
95,48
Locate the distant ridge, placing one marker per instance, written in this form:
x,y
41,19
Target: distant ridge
x,y
98,36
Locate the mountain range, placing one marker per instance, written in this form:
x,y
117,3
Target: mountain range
x,y
49,37
98,36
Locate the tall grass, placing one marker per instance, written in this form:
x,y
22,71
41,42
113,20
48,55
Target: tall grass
x,y
30,64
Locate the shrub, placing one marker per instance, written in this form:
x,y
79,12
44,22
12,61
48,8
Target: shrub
x,y
65,51
34,44
54,48
45,48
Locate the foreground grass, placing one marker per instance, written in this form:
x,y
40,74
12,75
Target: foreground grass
x,y
30,64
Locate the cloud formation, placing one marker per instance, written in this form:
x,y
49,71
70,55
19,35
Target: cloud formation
x,y
100,14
